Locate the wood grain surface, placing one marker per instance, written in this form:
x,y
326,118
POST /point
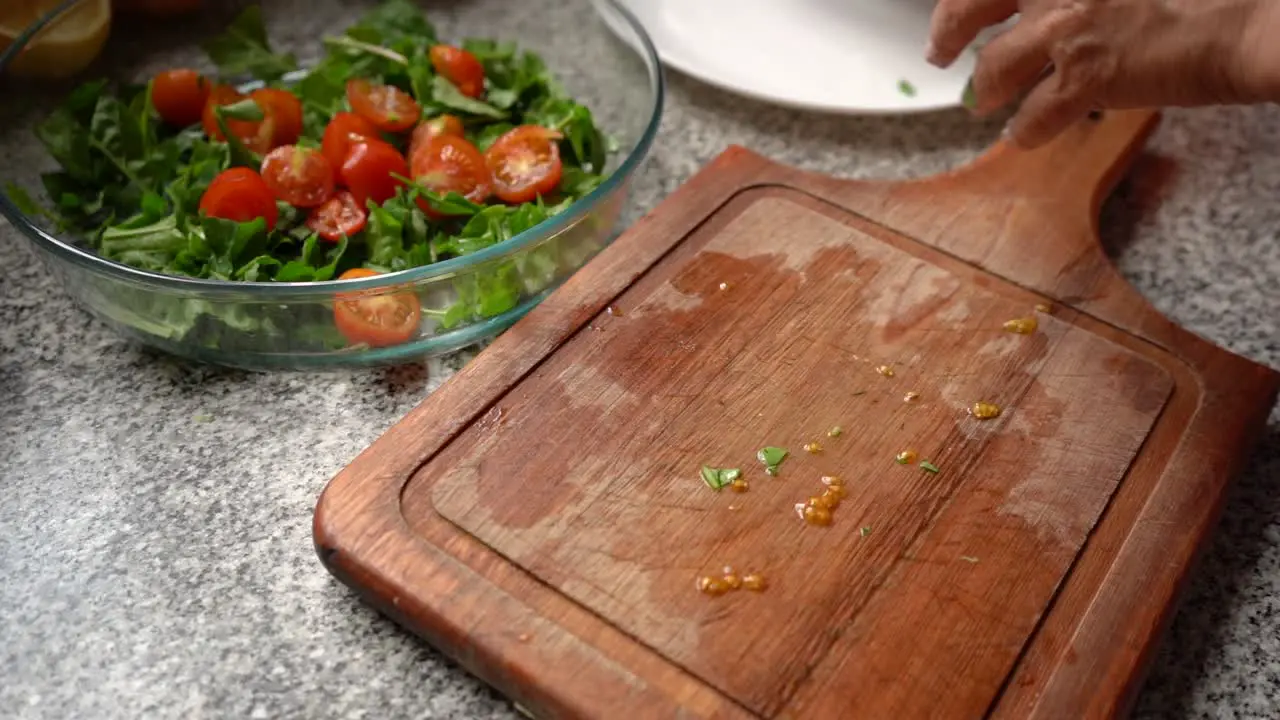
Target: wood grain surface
x,y
541,518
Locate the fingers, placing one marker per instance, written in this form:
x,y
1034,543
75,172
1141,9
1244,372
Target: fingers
x,y
956,23
1008,65
1048,110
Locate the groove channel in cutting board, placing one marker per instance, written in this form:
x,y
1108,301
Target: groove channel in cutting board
x,y
766,327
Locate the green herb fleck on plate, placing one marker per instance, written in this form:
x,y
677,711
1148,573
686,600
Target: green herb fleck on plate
x,y
717,478
836,431
928,466
772,457
906,88
864,530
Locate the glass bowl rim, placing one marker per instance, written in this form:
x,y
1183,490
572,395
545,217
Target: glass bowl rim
x,y
452,267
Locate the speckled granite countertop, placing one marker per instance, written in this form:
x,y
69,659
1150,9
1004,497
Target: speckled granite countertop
x,y
155,533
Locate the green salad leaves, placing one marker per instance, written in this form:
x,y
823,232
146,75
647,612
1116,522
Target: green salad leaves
x,y
130,186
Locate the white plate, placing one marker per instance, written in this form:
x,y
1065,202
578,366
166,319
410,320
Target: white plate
x,y
843,56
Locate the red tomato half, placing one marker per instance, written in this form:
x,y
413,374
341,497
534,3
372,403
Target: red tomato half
x,y
340,217
368,171
284,112
460,68
301,177
179,96
438,125
386,106
226,95
448,163
240,194
342,132
525,163
376,320
281,123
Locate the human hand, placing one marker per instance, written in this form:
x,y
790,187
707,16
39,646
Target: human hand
x,y
1075,56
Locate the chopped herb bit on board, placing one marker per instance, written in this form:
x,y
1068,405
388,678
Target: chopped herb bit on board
x,y
772,457
717,478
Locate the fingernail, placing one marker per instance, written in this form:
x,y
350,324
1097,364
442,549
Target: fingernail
x,y
932,56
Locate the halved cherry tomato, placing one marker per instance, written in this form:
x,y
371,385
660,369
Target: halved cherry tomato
x,y
438,125
340,217
368,171
246,130
376,320
240,194
285,112
281,123
301,177
179,96
460,68
525,163
386,106
342,131
448,163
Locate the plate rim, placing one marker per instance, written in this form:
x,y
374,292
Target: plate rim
x,y
675,61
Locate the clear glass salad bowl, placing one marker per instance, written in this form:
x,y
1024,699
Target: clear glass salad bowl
x,y
594,48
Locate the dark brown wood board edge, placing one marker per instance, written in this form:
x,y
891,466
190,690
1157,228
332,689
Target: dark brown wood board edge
x,y
358,513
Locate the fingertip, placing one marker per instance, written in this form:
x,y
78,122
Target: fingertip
x,y
931,54
938,55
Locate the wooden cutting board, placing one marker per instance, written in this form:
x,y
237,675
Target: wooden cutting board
x,y
541,517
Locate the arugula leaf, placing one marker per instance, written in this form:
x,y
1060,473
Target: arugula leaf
x,y
243,49
396,20
588,146
772,457
451,204
718,478
445,94
66,138
247,110
315,264
241,155
514,79
485,136
576,182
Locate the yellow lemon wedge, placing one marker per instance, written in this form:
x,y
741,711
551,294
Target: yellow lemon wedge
x,y
62,48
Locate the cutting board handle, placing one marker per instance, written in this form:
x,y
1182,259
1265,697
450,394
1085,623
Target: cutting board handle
x,y
1079,167
1029,215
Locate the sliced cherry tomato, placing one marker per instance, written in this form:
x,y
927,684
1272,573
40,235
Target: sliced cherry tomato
x,y
342,131
301,177
448,163
438,125
284,111
525,163
386,106
376,320
460,68
179,96
246,130
340,217
240,194
368,171
281,123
